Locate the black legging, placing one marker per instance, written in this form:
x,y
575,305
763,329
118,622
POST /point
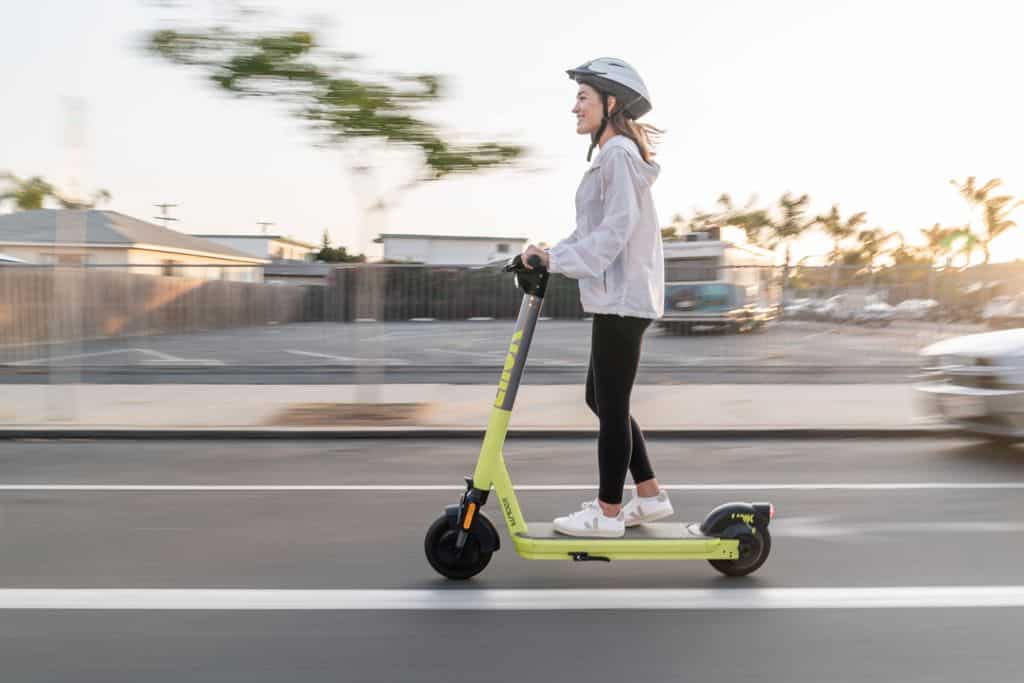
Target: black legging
x,y
614,357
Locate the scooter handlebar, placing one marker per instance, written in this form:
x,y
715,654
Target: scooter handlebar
x,y
515,264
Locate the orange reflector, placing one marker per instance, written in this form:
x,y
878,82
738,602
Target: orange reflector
x,y
468,520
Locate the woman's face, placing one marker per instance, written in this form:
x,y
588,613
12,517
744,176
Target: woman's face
x,y
588,110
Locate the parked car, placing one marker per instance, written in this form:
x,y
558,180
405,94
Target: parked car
x,y
878,314
856,307
1004,312
917,309
721,306
976,382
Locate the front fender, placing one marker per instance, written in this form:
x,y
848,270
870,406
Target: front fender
x,y
756,515
482,528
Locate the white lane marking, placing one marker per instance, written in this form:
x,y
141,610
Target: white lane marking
x,y
158,357
49,359
516,599
349,359
909,486
822,527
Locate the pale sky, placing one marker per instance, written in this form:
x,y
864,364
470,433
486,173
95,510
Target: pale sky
x,y
874,105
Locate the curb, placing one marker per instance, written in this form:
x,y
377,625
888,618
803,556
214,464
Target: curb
x,y
299,434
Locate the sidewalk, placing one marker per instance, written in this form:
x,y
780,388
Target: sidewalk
x,y
542,407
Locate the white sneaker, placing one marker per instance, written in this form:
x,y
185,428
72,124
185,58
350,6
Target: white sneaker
x,y
591,521
640,510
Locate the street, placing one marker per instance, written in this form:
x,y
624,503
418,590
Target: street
x,y
471,352
349,516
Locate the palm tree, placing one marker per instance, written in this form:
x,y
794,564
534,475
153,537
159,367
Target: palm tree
x,y
939,243
872,244
26,193
839,230
964,241
995,219
771,233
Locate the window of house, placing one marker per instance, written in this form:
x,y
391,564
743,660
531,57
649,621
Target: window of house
x,y
502,248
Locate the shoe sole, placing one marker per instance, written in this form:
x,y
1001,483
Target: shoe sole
x,y
651,518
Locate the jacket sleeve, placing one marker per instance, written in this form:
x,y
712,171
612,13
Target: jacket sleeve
x,y
590,256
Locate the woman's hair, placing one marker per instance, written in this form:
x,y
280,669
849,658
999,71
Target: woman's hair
x,y
644,135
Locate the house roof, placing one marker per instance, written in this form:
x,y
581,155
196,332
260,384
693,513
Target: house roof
x,y
279,238
402,235
108,228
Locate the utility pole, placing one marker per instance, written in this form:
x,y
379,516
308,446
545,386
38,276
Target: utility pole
x,y
163,213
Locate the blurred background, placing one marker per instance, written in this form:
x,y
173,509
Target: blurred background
x,y
245,245
249,193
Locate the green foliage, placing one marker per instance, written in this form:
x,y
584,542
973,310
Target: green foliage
x,y
28,194
328,90
329,254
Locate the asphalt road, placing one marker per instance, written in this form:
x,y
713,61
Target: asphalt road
x,y
471,352
855,519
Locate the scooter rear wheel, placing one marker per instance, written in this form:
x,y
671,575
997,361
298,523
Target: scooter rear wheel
x,y
439,545
754,549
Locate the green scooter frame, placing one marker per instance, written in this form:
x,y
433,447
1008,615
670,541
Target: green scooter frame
x,y
733,537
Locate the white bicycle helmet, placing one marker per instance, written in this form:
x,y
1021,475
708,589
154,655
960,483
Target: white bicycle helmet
x,y
612,76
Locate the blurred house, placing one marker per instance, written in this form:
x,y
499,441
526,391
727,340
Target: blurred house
x,y
109,238
448,250
272,247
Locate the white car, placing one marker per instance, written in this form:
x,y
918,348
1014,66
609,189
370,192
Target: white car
x,y
976,382
1004,312
916,309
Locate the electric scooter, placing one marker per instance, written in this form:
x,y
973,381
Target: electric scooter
x,y
733,537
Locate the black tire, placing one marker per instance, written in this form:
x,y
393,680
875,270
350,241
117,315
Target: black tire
x,y
439,545
754,549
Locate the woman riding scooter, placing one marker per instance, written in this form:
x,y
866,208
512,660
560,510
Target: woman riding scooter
x,y
615,253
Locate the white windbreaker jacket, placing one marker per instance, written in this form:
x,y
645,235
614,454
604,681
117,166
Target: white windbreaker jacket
x,y
615,251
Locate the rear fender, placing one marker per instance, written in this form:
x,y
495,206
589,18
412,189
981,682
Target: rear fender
x,y
754,515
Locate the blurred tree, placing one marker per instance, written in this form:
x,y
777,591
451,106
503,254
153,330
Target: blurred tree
x,y
964,242
872,245
31,193
839,230
995,212
26,193
97,197
674,230
938,243
329,254
327,90
781,231
996,219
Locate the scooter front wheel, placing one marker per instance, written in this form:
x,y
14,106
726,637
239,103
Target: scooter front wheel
x,y
754,549
439,545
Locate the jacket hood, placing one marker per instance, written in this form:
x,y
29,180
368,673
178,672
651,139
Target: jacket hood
x,y
648,172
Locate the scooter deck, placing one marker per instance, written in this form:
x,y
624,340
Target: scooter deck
x,y
665,541
662,531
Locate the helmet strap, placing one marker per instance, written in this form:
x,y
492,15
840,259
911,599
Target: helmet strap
x,y
596,137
